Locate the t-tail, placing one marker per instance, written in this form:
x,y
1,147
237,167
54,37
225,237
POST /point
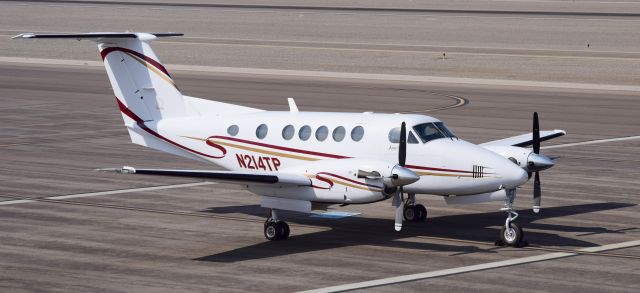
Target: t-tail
x,y
144,90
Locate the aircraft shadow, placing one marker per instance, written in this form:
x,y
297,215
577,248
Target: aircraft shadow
x,y
355,231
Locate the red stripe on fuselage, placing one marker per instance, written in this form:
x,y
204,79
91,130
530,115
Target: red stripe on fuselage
x,y
149,60
140,123
282,148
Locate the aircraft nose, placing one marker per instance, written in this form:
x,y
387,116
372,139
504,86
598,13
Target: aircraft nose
x,y
513,175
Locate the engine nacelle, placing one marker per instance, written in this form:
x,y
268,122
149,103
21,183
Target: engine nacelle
x,y
518,155
525,158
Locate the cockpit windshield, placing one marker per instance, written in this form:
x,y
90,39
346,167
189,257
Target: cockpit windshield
x,y
430,131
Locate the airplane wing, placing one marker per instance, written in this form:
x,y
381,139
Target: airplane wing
x,y
244,178
525,139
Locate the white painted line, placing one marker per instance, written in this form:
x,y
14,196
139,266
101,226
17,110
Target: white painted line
x,y
347,75
8,202
467,269
590,142
120,191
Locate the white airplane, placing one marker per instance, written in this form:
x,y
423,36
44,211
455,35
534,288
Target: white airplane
x,y
307,161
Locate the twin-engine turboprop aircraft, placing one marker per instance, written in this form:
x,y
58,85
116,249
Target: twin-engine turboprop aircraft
x,y
306,161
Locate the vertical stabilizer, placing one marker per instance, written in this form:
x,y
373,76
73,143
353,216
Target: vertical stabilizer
x,y
139,80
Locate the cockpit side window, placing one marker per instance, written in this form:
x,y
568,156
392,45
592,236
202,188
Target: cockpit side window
x,y
447,132
428,132
412,138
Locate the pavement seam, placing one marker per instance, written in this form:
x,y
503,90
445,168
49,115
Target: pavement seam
x,y
345,75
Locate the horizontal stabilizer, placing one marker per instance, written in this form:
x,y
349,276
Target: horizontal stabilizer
x,y
105,35
224,176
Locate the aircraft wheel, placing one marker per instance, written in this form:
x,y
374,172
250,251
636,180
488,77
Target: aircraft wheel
x,y
409,213
276,230
511,236
271,231
421,213
283,227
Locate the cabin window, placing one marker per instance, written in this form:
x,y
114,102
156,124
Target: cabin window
x,y
305,132
357,133
233,130
338,133
394,135
321,133
261,131
288,132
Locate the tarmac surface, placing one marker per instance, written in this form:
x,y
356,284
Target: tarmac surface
x,y
60,123
67,228
547,47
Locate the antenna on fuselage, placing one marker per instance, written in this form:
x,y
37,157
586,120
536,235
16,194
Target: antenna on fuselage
x,y
292,105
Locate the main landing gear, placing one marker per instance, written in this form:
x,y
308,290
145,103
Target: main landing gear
x,y
275,229
510,234
414,212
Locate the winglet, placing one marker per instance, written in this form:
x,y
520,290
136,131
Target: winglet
x,y
292,105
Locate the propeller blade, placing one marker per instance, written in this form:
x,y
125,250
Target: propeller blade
x,y
536,133
398,203
537,193
402,150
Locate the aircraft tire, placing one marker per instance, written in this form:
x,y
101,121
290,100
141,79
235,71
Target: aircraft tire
x,y
271,231
283,227
512,236
409,213
421,213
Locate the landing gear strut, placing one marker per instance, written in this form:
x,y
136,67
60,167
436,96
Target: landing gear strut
x,y
414,212
510,234
275,229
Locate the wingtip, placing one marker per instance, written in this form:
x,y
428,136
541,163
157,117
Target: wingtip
x,y
123,170
23,36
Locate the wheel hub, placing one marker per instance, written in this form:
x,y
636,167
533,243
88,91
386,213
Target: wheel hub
x,y
271,231
510,234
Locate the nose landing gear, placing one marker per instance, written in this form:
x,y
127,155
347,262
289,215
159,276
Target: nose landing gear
x,y
275,229
510,234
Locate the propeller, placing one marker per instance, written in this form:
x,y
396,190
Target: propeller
x,y
400,176
536,133
398,200
537,193
537,162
